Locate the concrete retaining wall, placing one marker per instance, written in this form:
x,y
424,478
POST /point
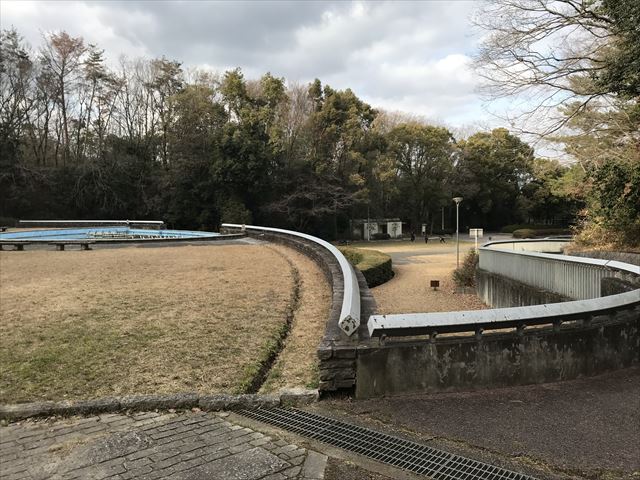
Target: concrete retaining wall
x,y
498,292
539,355
336,352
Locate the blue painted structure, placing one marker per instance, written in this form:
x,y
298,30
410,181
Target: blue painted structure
x,y
104,233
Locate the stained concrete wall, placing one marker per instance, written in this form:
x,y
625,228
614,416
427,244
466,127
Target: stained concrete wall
x,y
497,360
587,346
336,351
498,292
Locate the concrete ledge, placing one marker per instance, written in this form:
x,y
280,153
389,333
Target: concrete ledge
x,y
582,347
140,403
335,343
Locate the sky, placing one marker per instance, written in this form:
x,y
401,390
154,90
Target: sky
x,y
399,56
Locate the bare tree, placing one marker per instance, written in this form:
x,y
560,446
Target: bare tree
x,y
16,79
545,53
62,56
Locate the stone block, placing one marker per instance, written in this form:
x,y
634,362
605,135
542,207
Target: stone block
x,y
328,386
348,383
298,396
25,410
159,402
344,352
257,401
324,352
338,374
215,402
100,405
337,363
314,466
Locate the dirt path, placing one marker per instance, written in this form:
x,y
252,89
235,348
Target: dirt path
x,y
415,265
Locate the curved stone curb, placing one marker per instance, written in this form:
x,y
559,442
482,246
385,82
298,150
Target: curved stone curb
x,y
178,401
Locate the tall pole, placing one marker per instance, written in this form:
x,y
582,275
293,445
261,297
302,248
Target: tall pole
x,y
457,235
457,200
368,225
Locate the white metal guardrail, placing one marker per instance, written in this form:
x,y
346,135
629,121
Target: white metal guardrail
x,y
350,311
574,277
542,245
577,278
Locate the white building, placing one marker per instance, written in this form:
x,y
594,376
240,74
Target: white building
x,y
360,226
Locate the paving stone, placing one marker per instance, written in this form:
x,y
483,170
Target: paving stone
x,y
292,472
184,446
314,466
250,465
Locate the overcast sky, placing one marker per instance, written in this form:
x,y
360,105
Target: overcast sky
x,y
411,56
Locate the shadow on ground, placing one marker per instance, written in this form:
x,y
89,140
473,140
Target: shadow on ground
x,y
586,428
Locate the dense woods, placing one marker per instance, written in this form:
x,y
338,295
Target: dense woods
x,y
153,139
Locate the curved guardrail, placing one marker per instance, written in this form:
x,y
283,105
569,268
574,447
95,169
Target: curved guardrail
x,y
349,320
576,277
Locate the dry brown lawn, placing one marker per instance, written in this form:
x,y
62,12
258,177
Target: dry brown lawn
x,y
136,320
409,291
297,364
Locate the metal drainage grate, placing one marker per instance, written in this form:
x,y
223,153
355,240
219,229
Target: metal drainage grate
x,y
384,448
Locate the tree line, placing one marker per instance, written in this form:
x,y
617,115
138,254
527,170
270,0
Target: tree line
x,y
153,139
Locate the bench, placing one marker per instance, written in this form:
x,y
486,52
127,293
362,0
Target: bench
x,y
84,244
16,244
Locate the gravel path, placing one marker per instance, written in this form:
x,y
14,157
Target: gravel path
x,y
415,265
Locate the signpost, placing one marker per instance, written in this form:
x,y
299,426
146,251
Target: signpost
x,y
457,200
476,233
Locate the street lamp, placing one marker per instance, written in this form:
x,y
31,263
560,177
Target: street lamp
x,y
457,200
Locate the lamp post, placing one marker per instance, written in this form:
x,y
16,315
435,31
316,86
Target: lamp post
x,y
457,200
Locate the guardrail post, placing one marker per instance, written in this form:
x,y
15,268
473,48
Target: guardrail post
x,y
479,333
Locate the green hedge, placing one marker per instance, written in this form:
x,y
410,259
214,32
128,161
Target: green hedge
x,y
380,236
541,232
375,266
521,226
8,222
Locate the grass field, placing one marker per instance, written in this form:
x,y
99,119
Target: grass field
x,y
137,320
297,364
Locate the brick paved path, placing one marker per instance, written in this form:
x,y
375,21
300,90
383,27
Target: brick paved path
x,y
186,446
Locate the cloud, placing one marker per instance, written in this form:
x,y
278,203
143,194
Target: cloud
x,y
411,56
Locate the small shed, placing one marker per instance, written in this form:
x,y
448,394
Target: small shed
x,y
360,227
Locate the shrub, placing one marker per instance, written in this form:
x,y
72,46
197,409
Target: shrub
x,y
380,236
524,233
541,232
234,211
375,266
8,222
465,276
612,219
519,226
